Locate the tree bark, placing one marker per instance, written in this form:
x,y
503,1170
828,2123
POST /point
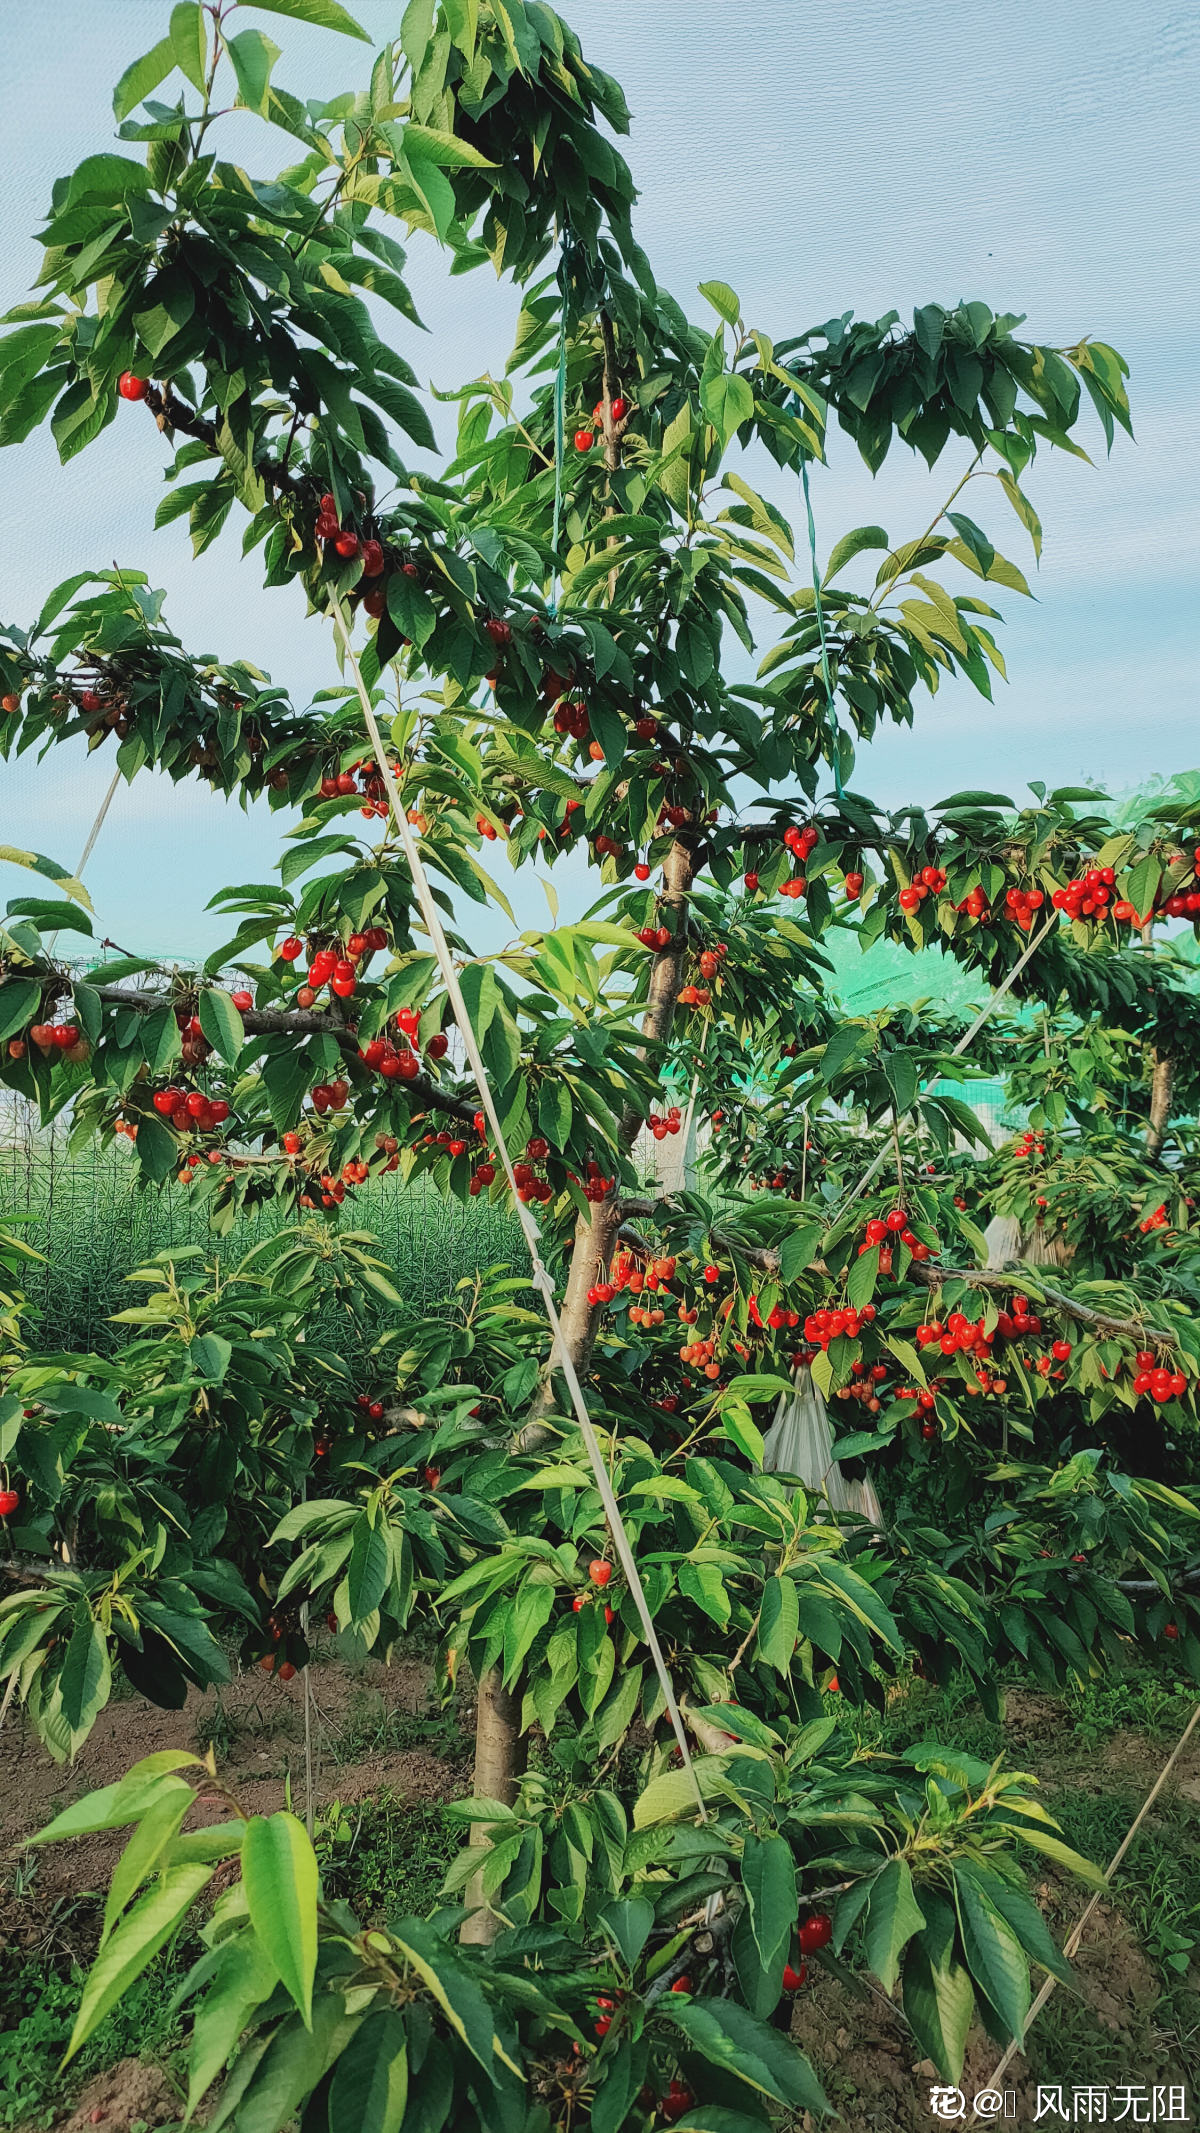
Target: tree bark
x,y
499,1764
499,1743
596,1232
1162,1086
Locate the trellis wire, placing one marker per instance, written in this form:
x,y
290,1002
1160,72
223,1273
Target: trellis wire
x,y
541,1277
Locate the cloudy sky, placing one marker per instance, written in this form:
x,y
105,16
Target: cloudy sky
x,y
820,158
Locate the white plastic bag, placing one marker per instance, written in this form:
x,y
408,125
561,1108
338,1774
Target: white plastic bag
x,y
800,1442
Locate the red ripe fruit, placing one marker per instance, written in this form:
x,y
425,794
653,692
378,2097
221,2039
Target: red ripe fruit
x,y
751,882
498,630
9,1500
584,440
290,949
375,602
793,1979
1170,1629
641,871
243,1001
438,1045
620,408
815,1932
347,545
1060,1350
898,1219
599,1572
929,1430
712,1274
853,886
372,559
292,1144
131,387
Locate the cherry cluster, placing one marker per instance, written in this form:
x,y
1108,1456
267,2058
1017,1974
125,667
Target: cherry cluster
x,y
60,1040
190,1110
1153,1377
670,1122
927,883
822,1327
1089,895
1021,905
886,1230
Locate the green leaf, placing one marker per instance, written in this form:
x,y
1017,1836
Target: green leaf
x,y
189,42
144,75
448,150
135,1943
453,1987
156,1830
779,1623
994,1955
243,1980
939,1998
728,401
326,14
253,55
369,1572
893,1916
769,1879
410,608
84,1682
798,1250
731,2038
222,1024
721,297
20,999
370,2082
852,544
279,1874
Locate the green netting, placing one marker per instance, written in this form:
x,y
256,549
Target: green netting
x,y
87,1216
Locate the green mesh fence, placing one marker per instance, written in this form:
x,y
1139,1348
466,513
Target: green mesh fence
x,y
86,1214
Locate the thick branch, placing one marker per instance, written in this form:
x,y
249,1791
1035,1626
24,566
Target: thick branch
x,y
932,1277
173,414
305,1022
1162,1088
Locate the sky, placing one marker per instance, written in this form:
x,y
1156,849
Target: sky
x,y
820,158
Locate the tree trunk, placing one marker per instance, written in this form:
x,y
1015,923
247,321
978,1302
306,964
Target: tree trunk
x,y
499,1764
596,1232
499,1743
1162,1086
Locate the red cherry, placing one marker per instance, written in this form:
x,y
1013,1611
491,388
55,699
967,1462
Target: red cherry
x,y
815,1932
9,1500
290,949
853,886
619,409
793,1979
438,1045
751,882
1170,1629
243,1001
1060,1350
347,544
372,559
599,1572
642,871
131,387
584,440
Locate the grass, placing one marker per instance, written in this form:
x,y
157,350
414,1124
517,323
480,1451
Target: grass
x,y
40,2003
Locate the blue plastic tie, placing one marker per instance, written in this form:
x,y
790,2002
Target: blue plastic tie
x,y
826,676
560,407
